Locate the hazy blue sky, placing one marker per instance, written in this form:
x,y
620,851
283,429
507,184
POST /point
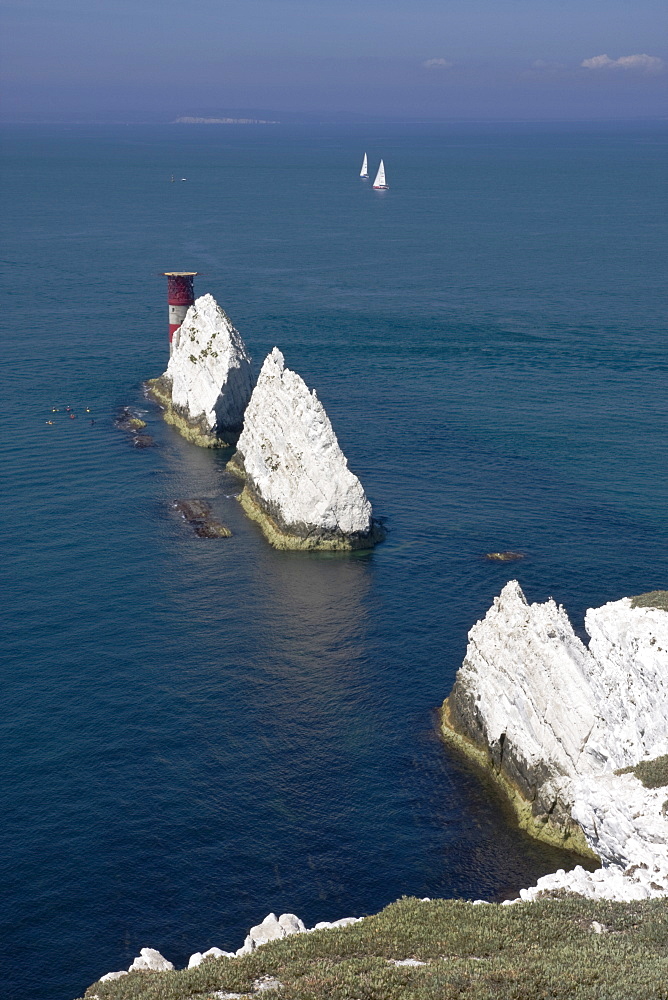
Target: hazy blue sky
x,y
427,58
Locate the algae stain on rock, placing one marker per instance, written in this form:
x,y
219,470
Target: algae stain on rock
x,y
565,834
194,431
311,540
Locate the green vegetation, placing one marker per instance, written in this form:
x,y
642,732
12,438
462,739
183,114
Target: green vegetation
x,y
652,599
652,773
545,950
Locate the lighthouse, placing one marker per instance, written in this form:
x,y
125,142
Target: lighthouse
x,y
180,295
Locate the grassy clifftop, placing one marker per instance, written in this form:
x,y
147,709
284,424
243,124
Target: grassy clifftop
x,y
652,599
553,949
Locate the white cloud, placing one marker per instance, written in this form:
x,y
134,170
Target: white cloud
x,y
437,64
640,61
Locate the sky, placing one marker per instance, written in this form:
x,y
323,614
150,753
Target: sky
x,y
429,59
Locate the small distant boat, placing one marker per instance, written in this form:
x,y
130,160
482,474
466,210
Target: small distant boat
x,y
364,172
380,184
172,178
184,178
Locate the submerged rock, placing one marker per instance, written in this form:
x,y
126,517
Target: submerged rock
x,y
297,482
198,514
559,725
127,420
208,380
143,441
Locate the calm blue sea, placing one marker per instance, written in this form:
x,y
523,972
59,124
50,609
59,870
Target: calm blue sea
x,y
195,732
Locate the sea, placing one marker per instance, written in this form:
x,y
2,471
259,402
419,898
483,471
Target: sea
x,y
195,732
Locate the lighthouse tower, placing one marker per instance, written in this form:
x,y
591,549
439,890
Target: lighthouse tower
x,y
180,295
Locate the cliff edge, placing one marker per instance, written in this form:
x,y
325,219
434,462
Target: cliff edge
x,y
575,736
208,382
298,486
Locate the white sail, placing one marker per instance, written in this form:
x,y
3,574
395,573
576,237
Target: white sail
x,y
380,181
364,172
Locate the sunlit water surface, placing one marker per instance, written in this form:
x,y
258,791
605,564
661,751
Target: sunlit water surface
x,y
197,732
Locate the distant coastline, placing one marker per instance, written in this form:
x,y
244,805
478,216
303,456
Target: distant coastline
x,y
188,120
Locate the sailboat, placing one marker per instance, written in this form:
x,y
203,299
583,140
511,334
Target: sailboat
x,y
364,172
379,183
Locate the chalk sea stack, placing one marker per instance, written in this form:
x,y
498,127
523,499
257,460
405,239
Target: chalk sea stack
x,y
298,486
208,381
576,736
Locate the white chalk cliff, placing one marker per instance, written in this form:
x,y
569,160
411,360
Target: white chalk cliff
x,y
554,720
208,381
298,484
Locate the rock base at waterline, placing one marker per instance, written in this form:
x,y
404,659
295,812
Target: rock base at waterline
x,y
310,538
564,833
195,431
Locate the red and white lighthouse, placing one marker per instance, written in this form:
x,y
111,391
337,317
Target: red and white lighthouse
x,y
180,295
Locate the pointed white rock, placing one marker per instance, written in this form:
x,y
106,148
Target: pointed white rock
x,y
298,484
209,380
